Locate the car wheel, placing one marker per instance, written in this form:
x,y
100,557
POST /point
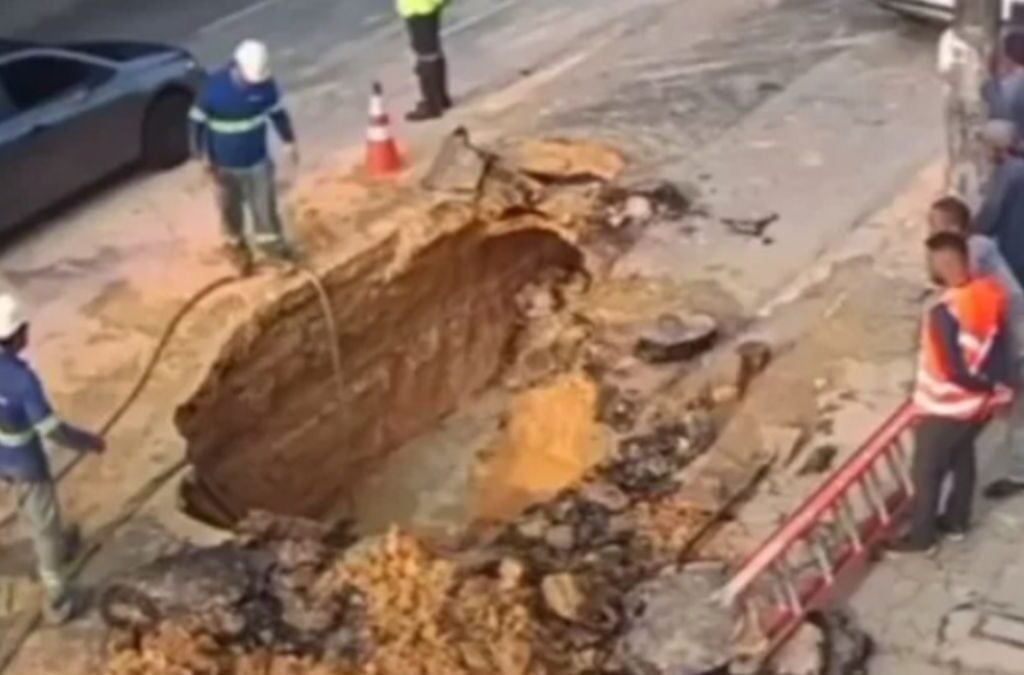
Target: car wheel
x,y
165,131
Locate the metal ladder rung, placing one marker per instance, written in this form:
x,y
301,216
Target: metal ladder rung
x,y
848,521
823,559
874,499
785,575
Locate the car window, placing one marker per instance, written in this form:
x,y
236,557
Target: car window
x,y
7,108
33,80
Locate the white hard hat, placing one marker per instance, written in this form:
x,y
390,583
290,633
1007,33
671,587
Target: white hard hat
x,y
253,61
12,315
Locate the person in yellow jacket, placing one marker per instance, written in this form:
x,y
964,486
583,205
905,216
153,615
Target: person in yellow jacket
x,y
423,19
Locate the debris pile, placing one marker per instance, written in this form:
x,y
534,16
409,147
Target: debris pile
x,y
543,593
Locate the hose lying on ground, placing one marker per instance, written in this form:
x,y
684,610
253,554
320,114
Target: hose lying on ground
x,y
17,634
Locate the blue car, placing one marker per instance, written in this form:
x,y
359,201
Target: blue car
x,y
74,114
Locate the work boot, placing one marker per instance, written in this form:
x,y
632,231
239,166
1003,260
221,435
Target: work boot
x,y
949,532
72,543
905,547
423,112
59,611
431,105
239,257
1004,488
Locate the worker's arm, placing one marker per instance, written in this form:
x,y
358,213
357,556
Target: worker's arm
x,y
949,337
42,418
989,218
280,118
198,129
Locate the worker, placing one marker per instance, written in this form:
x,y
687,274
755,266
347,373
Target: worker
x,y
229,137
1005,92
423,20
962,374
1001,215
25,419
950,214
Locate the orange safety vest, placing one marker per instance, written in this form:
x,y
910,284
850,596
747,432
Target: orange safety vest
x,y
979,307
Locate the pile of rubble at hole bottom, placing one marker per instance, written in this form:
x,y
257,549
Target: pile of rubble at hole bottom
x,y
587,582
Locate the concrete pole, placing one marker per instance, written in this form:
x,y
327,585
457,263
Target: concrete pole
x,y
970,46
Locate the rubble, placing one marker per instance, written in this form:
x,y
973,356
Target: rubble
x,y
674,627
674,337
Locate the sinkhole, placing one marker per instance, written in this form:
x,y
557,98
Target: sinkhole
x,y
270,429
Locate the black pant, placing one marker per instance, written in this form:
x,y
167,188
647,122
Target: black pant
x,y
431,67
943,447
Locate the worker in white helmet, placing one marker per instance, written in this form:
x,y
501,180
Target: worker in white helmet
x,y
229,136
26,418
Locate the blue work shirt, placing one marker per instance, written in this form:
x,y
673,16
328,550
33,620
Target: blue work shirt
x,y
230,117
25,415
1001,215
1005,97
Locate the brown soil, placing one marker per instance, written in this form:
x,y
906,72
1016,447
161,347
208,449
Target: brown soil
x,y
427,320
551,439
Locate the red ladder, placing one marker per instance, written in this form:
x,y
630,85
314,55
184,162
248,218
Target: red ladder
x,y
801,567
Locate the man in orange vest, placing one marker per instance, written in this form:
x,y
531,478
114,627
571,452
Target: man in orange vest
x,y
963,372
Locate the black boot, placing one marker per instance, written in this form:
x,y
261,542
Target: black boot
x,y
431,106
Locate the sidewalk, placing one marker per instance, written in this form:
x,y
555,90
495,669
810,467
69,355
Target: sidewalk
x,y
963,610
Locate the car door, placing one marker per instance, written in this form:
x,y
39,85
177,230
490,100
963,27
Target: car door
x,y
50,149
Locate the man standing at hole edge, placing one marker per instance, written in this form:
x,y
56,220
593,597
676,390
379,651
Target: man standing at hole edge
x,y
25,419
423,19
963,368
229,136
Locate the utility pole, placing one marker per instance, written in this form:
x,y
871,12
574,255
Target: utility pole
x,y
966,56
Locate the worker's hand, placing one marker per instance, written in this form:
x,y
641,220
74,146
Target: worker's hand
x,y
1002,396
77,439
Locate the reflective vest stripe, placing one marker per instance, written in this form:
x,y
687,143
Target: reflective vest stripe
x,y
242,126
236,126
959,407
16,439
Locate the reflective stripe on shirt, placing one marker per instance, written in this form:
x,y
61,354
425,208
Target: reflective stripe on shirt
x,y
236,126
16,439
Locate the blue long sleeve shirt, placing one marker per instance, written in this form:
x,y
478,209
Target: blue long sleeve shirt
x,y
230,118
1005,97
997,367
25,416
1001,215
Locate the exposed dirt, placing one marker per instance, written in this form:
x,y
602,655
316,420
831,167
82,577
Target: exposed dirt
x,y
428,319
551,438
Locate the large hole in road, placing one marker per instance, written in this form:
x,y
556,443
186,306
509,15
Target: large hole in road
x,y
270,430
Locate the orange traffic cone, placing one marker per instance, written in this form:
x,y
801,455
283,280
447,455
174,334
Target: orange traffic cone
x,y
382,158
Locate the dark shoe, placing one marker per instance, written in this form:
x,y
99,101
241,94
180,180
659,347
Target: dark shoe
x,y
239,257
1004,488
62,610
904,547
72,543
949,532
423,112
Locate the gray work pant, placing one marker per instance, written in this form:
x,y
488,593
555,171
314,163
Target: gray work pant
x,y
40,510
252,189
944,449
